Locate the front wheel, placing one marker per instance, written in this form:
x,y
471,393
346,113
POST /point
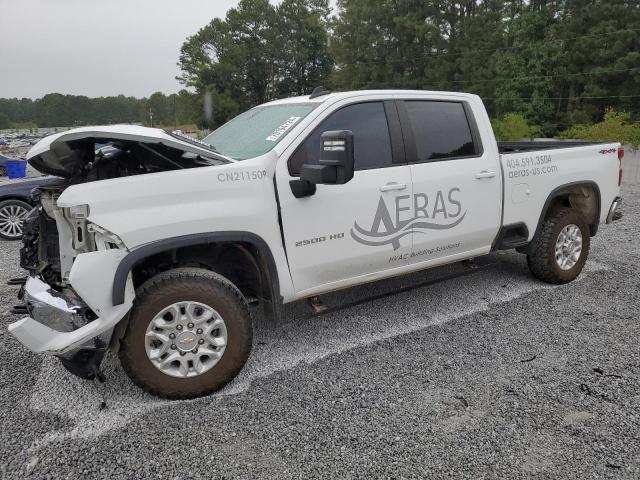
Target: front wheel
x,y
558,254
189,334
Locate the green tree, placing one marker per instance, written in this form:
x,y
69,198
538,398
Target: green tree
x,y
158,104
525,66
615,127
305,62
383,44
257,53
5,121
513,126
600,58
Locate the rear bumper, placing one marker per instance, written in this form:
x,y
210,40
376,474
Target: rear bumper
x,y
615,212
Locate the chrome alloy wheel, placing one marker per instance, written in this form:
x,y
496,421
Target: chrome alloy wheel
x,y
569,247
11,216
186,339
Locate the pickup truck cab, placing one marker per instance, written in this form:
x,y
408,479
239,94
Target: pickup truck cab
x,y
155,250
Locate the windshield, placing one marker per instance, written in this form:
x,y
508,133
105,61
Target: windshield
x,y
257,131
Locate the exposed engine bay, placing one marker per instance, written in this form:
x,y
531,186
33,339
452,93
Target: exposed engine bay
x,y
40,252
91,159
54,236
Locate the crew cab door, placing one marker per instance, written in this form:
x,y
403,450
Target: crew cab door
x,y
457,192
336,236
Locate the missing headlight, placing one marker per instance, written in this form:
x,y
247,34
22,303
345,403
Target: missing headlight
x,y
104,239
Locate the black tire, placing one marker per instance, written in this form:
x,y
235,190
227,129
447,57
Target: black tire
x,y
3,171
7,231
178,285
541,254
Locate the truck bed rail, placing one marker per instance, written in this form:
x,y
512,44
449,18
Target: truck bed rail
x,y
528,146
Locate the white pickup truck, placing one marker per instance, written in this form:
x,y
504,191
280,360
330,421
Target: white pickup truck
x,y
154,246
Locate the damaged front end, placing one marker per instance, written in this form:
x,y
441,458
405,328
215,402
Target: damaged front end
x,y
70,264
60,312
48,298
71,261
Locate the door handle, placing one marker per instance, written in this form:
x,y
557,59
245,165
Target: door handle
x,y
393,186
485,174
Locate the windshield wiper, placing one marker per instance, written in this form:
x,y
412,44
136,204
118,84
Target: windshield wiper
x,y
197,143
163,157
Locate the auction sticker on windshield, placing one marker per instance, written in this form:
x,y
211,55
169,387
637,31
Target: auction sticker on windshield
x,y
278,132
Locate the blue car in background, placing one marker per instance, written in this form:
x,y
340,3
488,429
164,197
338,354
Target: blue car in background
x,y
15,203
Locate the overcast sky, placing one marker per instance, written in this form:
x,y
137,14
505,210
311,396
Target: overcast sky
x,y
97,47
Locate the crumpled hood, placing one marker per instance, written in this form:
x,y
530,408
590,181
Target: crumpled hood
x,y
60,154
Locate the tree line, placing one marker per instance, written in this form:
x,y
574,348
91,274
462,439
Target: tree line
x,y
556,63
56,110
551,64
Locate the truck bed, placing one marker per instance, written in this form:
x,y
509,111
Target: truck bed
x,y
533,170
534,145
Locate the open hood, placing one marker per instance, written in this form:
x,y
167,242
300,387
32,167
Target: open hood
x,y
73,153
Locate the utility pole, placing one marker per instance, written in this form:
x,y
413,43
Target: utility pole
x,y
151,117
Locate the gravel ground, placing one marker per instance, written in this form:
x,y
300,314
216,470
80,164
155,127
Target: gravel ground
x,y
493,375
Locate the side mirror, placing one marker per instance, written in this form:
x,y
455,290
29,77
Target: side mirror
x,y
335,165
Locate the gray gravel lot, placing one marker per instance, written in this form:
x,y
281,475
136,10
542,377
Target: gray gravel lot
x,y
493,375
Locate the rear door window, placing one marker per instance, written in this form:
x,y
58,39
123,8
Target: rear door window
x,y
441,130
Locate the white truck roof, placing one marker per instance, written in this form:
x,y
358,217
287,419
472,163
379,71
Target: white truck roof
x,y
359,93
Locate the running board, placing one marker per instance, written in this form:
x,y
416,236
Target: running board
x,y
471,267
316,305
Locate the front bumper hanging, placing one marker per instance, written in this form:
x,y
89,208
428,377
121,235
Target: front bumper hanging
x,y
52,316
75,325
63,323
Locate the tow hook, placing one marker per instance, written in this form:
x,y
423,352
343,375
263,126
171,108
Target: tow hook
x,y
98,374
101,379
20,310
85,364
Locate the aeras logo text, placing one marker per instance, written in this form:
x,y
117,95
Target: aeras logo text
x,y
412,215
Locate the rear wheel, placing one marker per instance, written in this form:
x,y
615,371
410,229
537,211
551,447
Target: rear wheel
x,y
189,334
558,254
3,171
12,212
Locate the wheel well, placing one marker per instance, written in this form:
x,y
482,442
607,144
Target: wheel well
x,y
584,198
240,262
